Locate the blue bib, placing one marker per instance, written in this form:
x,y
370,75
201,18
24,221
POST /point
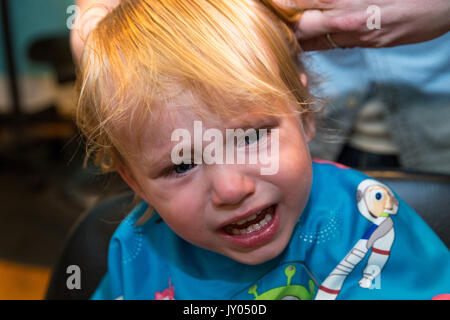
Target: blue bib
x,y
152,262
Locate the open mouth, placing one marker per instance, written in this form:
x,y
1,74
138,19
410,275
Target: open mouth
x,y
255,230
251,224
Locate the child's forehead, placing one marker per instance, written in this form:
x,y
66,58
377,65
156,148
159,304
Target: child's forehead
x,y
181,109
157,129
165,123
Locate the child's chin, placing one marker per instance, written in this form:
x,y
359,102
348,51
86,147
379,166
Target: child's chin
x,y
258,256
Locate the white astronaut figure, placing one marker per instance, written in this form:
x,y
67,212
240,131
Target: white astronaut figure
x,y
375,202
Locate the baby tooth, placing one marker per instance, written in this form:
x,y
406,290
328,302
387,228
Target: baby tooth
x,y
257,226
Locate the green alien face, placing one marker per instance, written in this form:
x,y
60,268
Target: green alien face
x,y
288,292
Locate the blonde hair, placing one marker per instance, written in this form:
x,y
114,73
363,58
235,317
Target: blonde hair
x,y
228,54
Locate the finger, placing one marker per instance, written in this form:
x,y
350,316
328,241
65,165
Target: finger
x,y
315,23
312,4
318,43
301,4
364,39
312,24
343,40
91,16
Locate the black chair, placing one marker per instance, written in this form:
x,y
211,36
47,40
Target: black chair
x,y
87,244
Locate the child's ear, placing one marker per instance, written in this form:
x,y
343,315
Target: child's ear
x,y
304,79
309,126
128,176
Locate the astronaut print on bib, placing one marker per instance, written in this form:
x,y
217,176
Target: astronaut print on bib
x,y
376,202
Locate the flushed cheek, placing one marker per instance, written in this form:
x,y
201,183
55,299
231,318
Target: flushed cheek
x,y
185,221
182,214
294,176
295,183
295,170
191,228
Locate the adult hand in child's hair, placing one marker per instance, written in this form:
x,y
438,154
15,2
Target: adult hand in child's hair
x,y
327,24
89,14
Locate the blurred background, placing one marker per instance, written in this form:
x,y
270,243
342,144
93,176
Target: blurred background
x,y
43,187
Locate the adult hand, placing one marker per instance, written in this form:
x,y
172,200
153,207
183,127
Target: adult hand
x,y
90,13
368,23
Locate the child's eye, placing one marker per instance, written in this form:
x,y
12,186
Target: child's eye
x,y
178,170
183,167
254,138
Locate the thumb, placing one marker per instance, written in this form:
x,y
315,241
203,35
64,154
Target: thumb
x,y
312,24
89,20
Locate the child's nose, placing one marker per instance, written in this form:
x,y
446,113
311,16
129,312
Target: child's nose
x,y
231,187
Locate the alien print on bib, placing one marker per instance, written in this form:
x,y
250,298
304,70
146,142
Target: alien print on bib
x,y
295,282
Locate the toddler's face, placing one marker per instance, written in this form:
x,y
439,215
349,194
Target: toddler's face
x,y
231,209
